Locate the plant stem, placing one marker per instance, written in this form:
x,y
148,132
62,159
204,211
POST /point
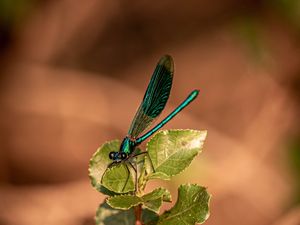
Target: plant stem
x,y
138,208
138,214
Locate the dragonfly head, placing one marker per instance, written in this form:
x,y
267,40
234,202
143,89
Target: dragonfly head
x,y
126,148
117,156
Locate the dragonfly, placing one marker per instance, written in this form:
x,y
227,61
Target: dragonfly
x,y
153,103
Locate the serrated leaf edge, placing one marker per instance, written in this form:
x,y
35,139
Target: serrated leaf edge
x,y
92,180
208,203
141,200
167,131
195,185
156,211
123,208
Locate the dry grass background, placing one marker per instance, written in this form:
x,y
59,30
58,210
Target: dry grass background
x,y
73,74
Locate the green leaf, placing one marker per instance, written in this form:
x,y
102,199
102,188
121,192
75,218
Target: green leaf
x,y
191,207
100,174
119,178
158,175
106,215
171,151
149,217
105,191
158,193
124,201
152,200
100,161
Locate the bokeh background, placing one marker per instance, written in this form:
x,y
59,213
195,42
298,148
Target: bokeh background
x,y
72,74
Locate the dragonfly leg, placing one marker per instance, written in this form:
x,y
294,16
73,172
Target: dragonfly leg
x,y
109,166
132,167
141,153
136,174
127,179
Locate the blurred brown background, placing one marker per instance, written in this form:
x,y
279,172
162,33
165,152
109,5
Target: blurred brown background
x,y
73,73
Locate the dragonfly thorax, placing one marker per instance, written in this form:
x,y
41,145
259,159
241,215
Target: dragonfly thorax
x,y
127,146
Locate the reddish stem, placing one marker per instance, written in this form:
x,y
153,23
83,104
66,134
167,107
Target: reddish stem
x,y
138,214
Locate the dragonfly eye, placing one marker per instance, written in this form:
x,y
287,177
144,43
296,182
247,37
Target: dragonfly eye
x,y
123,155
112,155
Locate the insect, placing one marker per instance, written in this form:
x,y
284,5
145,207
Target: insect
x,y
153,103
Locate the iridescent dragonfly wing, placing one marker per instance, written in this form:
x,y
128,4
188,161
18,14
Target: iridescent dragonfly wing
x,y
155,98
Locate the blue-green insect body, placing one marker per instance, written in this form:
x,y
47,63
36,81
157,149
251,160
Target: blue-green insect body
x,y
154,101
187,101
127,146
